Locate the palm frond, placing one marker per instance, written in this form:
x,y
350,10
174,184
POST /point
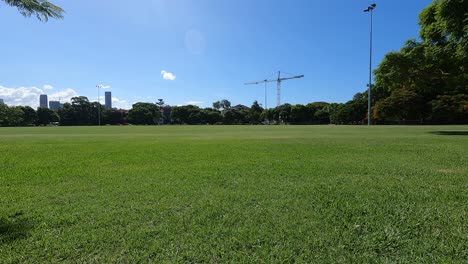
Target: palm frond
x,y
41,9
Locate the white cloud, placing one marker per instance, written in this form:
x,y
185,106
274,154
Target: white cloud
x,y
168,76
21,95
63,96
121,104
47,87
194,103
30,95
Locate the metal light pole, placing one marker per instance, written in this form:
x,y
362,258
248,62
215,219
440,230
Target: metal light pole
x,y
370,9
99,103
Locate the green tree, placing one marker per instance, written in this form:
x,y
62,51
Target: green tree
x,y
82,111
211,116
225,104
45,116
222,105
29,116
399,106
255,114
450,109
11,116
432,68
144,114
235,117
67,115
114,116
352,112
160,103
187,114
217,105
284,113
41,9
4,112
272,115
299,114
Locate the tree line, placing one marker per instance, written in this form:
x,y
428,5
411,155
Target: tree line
x,y
82,112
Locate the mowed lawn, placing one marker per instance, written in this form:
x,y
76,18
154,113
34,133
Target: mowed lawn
x,y
218,194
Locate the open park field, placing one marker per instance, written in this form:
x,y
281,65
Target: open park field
x,y
221,194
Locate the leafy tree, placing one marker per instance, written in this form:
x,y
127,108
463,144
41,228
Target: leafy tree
x,y
299,114
334,107
211,116
272,115
114,116
82,111
193,115
322,116
352,112
144,114
29,116
432,68
450,109
235,117
11,116
160,103
225,104
41,9
255,114
16,116
45,116
67,115
4,113
222,105
217,105
284,113
401,105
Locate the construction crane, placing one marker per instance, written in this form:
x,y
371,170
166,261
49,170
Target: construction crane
x,y
278,87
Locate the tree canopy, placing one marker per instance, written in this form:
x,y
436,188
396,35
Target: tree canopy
x,y
41,9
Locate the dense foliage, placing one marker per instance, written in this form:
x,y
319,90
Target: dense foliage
x,y
427,80
41,9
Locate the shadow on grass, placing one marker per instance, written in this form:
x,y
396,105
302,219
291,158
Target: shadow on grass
x,y
14,227
450,133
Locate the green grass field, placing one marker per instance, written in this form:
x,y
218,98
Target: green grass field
x,y
219,194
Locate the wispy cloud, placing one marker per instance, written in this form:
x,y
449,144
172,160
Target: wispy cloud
x,y
168,76
194,103
121,104
64,95
47,87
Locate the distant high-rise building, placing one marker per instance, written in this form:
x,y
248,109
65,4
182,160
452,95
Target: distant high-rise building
x,y
108,100
55,105
43,100
1,101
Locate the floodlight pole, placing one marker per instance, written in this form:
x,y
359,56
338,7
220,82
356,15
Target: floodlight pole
x,y
370,9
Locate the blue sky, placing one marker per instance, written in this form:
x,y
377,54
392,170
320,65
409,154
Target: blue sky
x,y
211,46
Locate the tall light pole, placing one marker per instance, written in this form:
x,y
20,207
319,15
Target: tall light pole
x,y
99,103
370,9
